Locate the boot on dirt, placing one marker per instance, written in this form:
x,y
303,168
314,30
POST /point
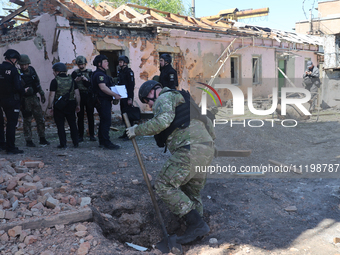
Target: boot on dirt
x,y
196,227
29,143
44,141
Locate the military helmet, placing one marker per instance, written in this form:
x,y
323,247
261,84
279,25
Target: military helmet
x,y
145,89
59,67
124,58
24,60
155,78
12,54
98,59
80,60
166,57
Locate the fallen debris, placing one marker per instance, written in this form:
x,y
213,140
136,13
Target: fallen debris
x,y
137,247
291,209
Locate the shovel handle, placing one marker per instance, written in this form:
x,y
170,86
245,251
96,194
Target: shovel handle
x,y
146,178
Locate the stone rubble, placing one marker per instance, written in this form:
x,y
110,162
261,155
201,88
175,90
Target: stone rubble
x,y
24,195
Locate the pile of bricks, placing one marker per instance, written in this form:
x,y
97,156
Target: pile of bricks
x,y
24,197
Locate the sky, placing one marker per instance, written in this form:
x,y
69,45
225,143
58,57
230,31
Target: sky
x,y
282,14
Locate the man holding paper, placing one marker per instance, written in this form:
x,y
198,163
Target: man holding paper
x,y
101,85
126,77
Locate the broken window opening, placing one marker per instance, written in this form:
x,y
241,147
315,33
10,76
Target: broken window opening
x,y
256,64
235,70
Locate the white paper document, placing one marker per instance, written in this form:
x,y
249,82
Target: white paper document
x,y
119,89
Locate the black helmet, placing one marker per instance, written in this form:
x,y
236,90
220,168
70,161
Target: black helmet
x,y
24,60
12,54
80,60
166,57
59,67
98,59
145,89
124,58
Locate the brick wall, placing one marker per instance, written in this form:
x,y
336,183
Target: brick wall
x,y
21,33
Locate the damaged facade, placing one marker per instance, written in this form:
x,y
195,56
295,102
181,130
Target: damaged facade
x,y
61,30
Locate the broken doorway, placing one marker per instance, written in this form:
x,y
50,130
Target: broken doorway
x,y
112,56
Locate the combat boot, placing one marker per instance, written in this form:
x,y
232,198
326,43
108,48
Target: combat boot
x,y
44,141
196,227
29,143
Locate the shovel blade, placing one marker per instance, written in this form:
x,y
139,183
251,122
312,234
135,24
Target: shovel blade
x,y
170,245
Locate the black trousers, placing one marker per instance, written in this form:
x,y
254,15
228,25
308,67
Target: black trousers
x,y
123,106
11,108
69,114
105,122
88,105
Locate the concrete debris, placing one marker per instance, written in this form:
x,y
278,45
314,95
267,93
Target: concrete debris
x,y
291,209
137,247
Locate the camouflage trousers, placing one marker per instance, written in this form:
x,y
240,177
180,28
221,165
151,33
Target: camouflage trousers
x,y
178,185
32,106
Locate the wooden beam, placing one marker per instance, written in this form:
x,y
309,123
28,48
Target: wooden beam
x,y
88,9
198,22
180,20
123,17
106,7
157,16
133,12
115,12
69,217
18,2
12,15
143,17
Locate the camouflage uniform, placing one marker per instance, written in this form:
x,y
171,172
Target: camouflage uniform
x,y
31,105
178,184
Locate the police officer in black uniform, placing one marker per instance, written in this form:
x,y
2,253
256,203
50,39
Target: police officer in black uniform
x,y
60,85
82,77
101,86
126,77
168,77
11,91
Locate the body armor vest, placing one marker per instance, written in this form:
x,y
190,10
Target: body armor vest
x,y
183,115
86,73
64,85
5,81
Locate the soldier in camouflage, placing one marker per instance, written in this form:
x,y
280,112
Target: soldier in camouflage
x,y
82,77
30,105
191,143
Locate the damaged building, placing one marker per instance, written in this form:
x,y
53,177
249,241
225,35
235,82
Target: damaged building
x,y
216,46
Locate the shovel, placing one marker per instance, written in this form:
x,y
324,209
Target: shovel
x,y
168,244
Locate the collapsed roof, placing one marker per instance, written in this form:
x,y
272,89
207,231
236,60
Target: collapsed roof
x,y
132,15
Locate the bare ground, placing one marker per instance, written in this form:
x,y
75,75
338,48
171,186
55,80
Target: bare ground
x,y
247,215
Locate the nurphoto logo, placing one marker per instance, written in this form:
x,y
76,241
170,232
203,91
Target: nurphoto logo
x,y
238,102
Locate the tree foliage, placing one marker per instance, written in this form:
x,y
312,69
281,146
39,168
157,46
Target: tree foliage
x,y
173,6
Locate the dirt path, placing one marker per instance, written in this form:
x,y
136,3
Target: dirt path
x,y
247,215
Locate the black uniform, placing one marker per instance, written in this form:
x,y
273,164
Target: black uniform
x,y
86,101
126,77
11,91
103,106
68,112
168,77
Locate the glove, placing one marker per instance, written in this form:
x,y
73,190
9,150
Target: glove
x,y
131,131
43,98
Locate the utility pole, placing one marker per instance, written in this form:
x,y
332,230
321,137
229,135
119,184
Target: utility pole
x,y
310,23
193,8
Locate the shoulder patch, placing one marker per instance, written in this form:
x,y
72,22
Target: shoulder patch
x,y
101,78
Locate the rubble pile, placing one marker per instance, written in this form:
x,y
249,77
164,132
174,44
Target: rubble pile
x,y
24,198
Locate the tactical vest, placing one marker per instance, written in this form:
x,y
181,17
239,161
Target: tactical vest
x,y
64,85
86,74
29,77
182,117
6,88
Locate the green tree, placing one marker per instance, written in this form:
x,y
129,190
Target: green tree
x,y
173,6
